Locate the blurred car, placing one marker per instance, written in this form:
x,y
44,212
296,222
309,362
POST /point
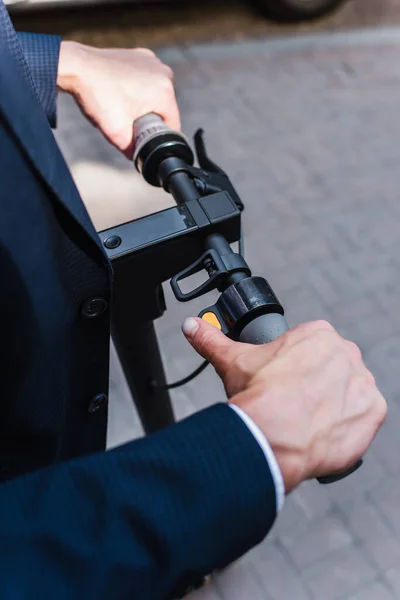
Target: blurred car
x,y
280,10
298,10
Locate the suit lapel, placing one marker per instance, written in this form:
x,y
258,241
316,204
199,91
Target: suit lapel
x,y
24,115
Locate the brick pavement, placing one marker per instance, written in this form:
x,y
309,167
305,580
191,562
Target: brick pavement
x,y
310,136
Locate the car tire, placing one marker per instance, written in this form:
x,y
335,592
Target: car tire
x,y
291,11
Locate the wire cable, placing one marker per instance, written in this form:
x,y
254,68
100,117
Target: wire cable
x,y
171,386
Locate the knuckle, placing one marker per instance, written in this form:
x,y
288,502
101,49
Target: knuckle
x,y
315,327
379,410
117,134
383,408
146,52
324,325
169,72
166,86
363,383
354,351
370,379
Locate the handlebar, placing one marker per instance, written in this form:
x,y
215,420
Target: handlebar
x,y
247,309
264,329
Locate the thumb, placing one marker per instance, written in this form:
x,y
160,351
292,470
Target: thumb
x,y
211,344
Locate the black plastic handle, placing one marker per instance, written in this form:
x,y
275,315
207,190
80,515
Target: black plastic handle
x,y
339,476
209,285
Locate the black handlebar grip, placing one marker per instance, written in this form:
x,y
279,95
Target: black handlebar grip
x,y
268,328
339,476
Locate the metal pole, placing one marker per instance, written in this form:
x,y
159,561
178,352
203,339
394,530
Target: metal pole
x,y
140,358
132,327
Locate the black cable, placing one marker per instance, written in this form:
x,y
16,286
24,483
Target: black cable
x,y
204,365
183,381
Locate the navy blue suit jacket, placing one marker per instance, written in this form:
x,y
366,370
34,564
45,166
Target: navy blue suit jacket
x,y
146,520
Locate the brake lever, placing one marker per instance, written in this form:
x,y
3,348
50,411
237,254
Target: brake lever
x,y
211,173
203,159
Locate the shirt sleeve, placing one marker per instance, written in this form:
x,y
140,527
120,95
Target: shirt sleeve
x,y
42,54
268,453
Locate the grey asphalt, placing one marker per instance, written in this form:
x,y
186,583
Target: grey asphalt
x,y
309,132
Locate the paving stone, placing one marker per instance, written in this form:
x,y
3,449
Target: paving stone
x,y
241,582
374,533
309,134
378,590
386,500
393,577
281,579
313,499
367,478
320,537
339,574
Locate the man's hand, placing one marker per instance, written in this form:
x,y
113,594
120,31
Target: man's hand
x,y
114,87
309,392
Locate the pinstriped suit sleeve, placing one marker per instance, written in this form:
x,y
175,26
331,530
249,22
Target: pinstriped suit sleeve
x,y
144,521
42,53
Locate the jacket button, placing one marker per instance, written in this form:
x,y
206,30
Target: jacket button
x,y
93,308
98,403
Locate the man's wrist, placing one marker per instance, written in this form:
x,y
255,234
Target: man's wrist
x,y
268,453
70,66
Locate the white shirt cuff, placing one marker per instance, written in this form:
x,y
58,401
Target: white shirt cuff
x,y
268,453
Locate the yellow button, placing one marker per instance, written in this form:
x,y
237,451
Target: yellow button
x,y
211,318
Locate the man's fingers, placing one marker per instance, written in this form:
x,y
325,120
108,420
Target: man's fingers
x,y
211,343
168,109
